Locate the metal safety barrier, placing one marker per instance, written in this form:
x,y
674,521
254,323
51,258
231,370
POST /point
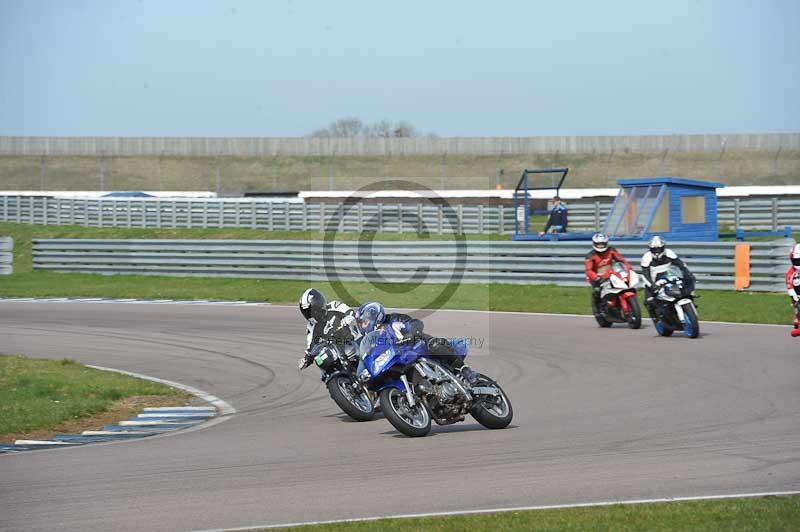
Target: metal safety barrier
x,y
6,255
771,213
448,261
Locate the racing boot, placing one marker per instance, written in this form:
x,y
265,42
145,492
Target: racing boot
x,y
796,331
596,301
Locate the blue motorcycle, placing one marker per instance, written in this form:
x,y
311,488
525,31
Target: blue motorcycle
x,y
415,387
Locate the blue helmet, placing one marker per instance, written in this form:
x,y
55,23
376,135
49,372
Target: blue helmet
x,y
369,316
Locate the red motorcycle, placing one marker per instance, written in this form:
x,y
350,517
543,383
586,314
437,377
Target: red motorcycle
x,y
618,303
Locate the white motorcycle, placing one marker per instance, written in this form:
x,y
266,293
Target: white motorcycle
x,y
618,302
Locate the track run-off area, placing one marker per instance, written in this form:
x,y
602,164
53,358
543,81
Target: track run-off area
x,y
600,414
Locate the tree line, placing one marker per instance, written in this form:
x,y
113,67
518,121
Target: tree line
x,y
355,127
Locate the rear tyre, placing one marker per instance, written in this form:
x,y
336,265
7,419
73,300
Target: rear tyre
x,y
601,321
691,325
662,329
493,412
357,406
634,318
413,421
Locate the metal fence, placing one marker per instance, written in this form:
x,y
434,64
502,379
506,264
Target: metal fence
x,y
454,261
6,255
306,146
257,214
770,213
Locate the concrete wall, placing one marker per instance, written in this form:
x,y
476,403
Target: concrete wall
x,y
211,147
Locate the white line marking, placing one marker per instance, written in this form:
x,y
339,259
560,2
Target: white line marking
x,y
42,442
175,415
133,301
551,314
267,304
133,423
224,408
180,409
514,509
116,432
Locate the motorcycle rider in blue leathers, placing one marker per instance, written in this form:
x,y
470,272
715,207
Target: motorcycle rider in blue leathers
x,y
408,330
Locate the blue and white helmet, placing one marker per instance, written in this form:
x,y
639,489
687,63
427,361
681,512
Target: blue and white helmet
x,y
368,316
657,246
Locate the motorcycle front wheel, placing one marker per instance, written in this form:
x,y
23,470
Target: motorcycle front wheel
x,y
413,421
492,412
691,325
634,317
356,405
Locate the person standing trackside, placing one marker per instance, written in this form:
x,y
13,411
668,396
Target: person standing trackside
x,y
557,221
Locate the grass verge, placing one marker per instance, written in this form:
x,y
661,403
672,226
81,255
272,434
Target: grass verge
x,y
713,305
39,398
730,515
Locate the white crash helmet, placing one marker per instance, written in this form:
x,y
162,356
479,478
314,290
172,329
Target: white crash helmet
x,y
657,246
600,242
794,256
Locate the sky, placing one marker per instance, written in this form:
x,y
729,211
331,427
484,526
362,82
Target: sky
x,y
220,68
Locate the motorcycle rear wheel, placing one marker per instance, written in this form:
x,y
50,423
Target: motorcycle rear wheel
x,y
661,329
414,421
494,413
355,407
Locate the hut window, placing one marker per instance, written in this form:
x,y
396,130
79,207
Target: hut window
x,y
661,219
693,209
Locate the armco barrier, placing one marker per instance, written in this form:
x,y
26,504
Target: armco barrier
x,y
396,261
6,255
770,213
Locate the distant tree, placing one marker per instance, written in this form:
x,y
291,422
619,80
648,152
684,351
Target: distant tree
x,y
343,127
381,128
354,127
405,129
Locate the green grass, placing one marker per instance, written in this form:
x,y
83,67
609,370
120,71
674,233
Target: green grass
x,y
713,305
40,395
731,515
240,174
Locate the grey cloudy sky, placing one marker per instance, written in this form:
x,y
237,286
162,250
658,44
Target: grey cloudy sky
x,y
453,68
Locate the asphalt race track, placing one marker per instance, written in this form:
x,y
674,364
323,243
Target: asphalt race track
x,y
600,414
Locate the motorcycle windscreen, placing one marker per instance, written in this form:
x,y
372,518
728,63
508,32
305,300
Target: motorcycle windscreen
x,y
377,351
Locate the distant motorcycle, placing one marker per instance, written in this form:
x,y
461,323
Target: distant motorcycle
x,y
338,366
674,306
415,387
618,302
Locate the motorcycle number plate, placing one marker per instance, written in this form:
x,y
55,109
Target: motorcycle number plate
x,y
319,359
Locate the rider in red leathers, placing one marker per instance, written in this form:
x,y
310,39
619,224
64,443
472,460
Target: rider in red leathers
x,y
598,265
793,286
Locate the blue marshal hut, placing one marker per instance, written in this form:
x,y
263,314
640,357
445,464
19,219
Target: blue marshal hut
x,y
677,209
